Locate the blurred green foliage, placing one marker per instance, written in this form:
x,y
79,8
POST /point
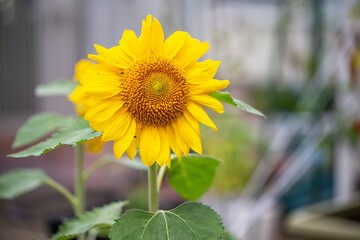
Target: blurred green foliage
x,y
234,144
284,98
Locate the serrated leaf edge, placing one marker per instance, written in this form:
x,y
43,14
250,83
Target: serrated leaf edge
x,y
15,155
234,103
83,216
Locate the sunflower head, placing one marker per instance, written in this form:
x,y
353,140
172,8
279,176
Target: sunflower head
x,y
148,93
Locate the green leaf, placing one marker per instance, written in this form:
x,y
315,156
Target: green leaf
x,y
60,87
227,98
193,176
228,236
190,221
20,181
76,132
38,126
98,217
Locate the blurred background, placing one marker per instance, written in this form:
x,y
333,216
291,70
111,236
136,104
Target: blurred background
x,y
294,175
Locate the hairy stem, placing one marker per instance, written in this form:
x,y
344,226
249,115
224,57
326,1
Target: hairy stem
x,y
153,193
94,167
60,188
79,183
160,177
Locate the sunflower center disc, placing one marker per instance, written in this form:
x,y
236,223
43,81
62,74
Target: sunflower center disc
x,y
159,85
155,90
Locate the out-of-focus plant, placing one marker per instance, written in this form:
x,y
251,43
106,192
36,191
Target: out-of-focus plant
x,y
144,94
235,145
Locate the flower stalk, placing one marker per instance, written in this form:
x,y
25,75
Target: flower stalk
x,y
79,183
153,192
160,177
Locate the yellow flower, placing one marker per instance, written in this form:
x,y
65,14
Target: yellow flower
x,y
148,93
80,99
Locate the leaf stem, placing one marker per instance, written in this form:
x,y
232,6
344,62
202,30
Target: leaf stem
x,y
153,193
160,177
60,188
79,183
93,234
94,167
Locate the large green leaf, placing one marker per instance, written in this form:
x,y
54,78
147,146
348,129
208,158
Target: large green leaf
x,y
228,236
98,217
76,132
193,176
227,98
20,181
38,126
60,87
190,221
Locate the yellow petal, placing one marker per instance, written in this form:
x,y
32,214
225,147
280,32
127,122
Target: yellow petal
x,y
131,150
185,148
149,144
174,43
103,69
117,128
101,90
100,81
138,133
199,113
209,102
191,51
131,45
80,68
78,95
80,99
209,86
95,145
103,110
107,72
172,141
97,58
152,35
112,56
168,164
193,121
188,133
201,72
123,143
164,154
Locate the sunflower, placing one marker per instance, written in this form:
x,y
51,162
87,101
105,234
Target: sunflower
x,y
148,93
79,99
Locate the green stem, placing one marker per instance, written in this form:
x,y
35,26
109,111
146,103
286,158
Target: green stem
x,y
160,177
93,234
153,193
79,183
94,167
60,188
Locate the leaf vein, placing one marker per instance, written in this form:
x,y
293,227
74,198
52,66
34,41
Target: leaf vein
x,y
193,232
167,228
142,234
